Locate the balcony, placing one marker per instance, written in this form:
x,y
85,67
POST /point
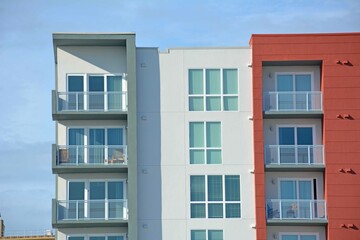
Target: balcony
x,y
294,158
296,212
90,213
293,104
87,159
89,105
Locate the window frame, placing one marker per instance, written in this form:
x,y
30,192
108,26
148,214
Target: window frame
x,y
205,148
87,133
205,95
87,187
87,236
311,179
207,232
298,234
224,203
293,78
296,126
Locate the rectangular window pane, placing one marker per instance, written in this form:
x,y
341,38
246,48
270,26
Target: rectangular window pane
x,y
230,103
233,210
215,189
75,83
116,238
213,134
76,190
307,237
115,136
215,235
286,136
213,156
215,210
196,134
230,81
304,136
213,84
114,89
285,82
96,83
115,190
288,189
232,188
198,235
76,238
289,237
197,188
303,82
213,103
196,85
197,210
96,238
197,156
196,104
97,190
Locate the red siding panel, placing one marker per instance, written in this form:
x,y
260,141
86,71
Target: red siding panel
x,y
341,95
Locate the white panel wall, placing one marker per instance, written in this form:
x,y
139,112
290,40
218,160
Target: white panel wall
x,y
272,232
62,180
271,129
269,73
237,139
272,182
65,232
91,59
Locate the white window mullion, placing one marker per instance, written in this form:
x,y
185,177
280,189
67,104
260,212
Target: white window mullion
x,y
206,196
221,89
106,201
204,88
205,142
86,198
223,200
105,93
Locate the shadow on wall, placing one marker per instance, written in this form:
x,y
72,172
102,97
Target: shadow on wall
x,y
111,59
149,141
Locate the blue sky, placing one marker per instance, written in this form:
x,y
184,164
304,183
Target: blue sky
x,y
27,67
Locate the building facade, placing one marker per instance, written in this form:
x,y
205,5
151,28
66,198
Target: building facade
x,y
257,142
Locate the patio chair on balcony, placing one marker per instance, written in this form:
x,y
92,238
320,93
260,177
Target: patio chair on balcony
x,y
271,213
63,156
117,157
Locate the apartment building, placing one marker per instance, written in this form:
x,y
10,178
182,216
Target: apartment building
x,y
256,142
95,153
306,131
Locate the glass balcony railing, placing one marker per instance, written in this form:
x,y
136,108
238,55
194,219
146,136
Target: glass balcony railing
x,y
92,101
77,155
294,155
278,209
77,210
293,101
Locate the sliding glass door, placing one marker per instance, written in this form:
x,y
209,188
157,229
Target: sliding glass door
x,y
296,145
292,195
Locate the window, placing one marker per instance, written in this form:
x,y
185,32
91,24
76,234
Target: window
x,y
215,196
95,145
298,236
110,237
205,142
96,200
293,89
207,235
296,196
213,90
296,144
99,92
